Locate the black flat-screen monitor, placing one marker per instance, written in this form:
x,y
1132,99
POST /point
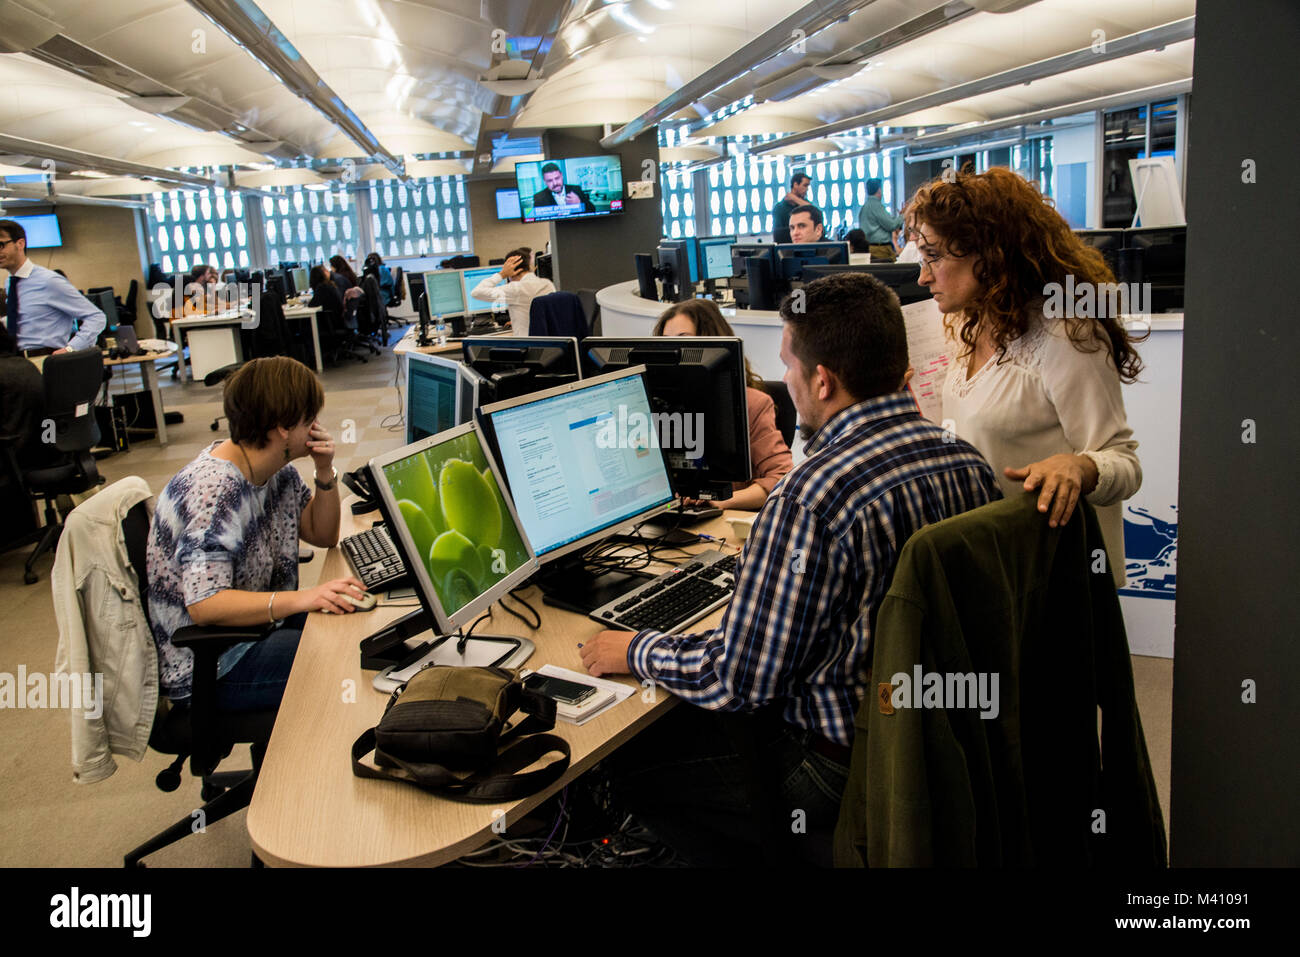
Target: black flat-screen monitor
x,y
762,288
508,204
900,277
275,286
291,289
692,256
562,189
432,388
1108,242
675,273
697,390
104,301
1156,255
793,257
742,251
515,366
645,277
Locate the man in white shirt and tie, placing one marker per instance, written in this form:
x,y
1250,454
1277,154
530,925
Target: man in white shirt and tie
x,y
516,287
41,306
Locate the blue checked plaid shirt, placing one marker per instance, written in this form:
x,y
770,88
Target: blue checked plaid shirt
x,y
817,564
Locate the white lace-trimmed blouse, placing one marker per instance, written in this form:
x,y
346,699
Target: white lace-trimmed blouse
x,y
1046,397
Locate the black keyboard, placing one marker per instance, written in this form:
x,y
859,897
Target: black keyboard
x,y
373,558
676,598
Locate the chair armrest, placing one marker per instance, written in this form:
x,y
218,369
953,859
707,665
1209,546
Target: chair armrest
x,y
208,642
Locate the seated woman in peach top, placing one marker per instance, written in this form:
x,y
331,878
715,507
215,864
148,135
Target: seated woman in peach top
x,y
767,449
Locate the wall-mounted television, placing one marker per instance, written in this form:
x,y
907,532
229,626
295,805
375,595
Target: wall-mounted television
x,y
42,231
578,188
508,204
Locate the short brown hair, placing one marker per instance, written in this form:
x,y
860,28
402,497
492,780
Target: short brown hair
x,y
268,393
852,324
526,254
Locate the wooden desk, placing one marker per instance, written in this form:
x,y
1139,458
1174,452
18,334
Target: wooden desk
x,y
149,373
407,343
310,810
306,312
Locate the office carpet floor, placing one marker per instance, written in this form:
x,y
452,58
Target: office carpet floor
x,y
47,820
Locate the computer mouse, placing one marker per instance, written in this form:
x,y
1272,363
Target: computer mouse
x,y
364,603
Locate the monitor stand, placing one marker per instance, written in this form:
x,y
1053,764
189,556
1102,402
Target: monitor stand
x,y
398,645
569,585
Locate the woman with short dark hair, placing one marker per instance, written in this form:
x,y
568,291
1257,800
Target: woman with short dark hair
x,y
223,544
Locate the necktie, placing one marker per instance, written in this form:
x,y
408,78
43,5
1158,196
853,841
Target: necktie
x,y
11,307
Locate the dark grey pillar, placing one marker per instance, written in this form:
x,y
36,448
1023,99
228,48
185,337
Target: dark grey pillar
x,y
1235,789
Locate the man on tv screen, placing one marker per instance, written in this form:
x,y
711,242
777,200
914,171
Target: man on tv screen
x,y
560,193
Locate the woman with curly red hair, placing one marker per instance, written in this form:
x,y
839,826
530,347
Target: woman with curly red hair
x,y
1036,393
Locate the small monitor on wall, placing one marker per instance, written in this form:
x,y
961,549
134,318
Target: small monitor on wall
x,y
42,231
579,188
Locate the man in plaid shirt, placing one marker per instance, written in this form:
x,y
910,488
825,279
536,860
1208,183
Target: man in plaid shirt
x,y
794,645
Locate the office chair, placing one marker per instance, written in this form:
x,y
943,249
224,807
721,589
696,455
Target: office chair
x,y
787,418
342,336
371,316
590,310
196,730
72,383
557,314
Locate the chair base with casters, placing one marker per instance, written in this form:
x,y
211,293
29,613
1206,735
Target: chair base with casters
x,y
196,729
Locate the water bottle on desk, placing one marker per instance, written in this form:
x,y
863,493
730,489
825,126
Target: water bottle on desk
x,y
440,330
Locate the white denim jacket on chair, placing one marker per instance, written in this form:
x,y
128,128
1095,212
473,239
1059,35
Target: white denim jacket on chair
x,y
103,630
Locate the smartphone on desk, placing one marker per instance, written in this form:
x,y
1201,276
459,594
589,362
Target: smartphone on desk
x,y
565,692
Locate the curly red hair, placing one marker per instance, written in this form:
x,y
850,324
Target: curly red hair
x,y
1022,244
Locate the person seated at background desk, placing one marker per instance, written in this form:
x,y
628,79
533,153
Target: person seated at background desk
x,y
342,275
795,642
223,544
521,286
41,307
325,295
768,452
383,275
807,225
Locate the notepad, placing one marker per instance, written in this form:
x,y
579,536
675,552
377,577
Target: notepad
x,y
608,694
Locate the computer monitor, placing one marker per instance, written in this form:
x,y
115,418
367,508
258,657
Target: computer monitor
x,y
469,393
446,293
458,534
432,394
692,263
674,272
762,290
793,257
742,251
580,463
414,286
715,257
1108,242
276,285
105,303
291,289
1156,255
900,277
471,278
645,277
697,387
516,366
302,279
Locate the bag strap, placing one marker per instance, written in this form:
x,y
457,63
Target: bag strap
x,y
497,783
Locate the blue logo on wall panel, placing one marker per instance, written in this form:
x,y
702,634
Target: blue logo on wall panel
x,y
1150,552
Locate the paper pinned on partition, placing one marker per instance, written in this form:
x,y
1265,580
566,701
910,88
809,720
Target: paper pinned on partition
x,y
928,349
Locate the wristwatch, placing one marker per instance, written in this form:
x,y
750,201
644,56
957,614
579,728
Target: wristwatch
x,y
334,480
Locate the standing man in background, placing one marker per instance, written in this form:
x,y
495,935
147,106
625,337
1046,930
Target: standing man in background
x,y
42,307
881,227
520,289
800,183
